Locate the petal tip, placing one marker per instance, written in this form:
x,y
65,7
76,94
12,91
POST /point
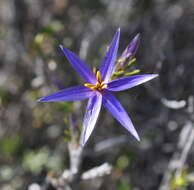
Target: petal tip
x,y
83,144
137,39
43,99
137,36
83,141
138,139
61,47
40,100
155,75
135,134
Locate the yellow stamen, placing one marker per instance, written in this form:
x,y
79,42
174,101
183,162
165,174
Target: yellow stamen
x,y
99,84
90,85
94,70
98,76
104,86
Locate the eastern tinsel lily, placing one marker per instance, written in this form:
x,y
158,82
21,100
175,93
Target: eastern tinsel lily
x,y
98,87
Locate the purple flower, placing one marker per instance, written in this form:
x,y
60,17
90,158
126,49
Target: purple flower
x,y
129,52
98,88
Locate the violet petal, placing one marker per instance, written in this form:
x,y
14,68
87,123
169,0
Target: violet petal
x,y
109,60
129,82
82,68
91,116
116,109
69,94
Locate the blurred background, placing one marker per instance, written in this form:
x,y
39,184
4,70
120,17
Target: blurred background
x,y
34,136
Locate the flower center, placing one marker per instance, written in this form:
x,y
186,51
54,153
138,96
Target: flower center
x,y
99,86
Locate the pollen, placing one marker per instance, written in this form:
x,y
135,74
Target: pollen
x,y
99,86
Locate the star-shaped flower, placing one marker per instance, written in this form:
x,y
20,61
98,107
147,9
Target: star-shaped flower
x,y
99,87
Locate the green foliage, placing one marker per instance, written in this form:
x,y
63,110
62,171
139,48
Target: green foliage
x,y
6,173
181,181
123,162
54,26
67,135
64,106
43,41
10,145
124,185
36,160
5,95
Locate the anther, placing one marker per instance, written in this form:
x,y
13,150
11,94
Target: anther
x,y
99,77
